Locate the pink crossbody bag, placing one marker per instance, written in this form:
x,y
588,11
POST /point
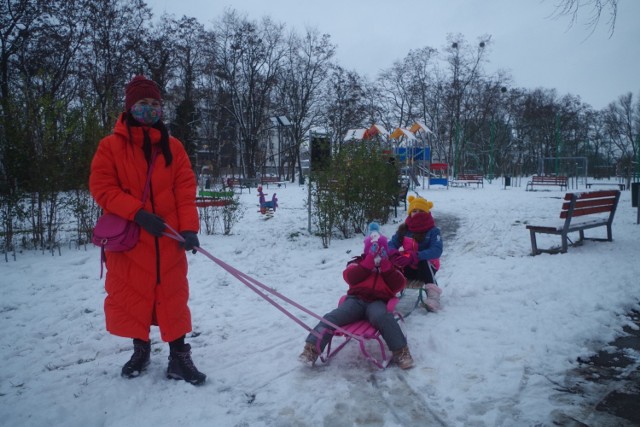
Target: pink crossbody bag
x,y
113,233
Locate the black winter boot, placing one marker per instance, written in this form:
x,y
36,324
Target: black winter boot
x,y
181,366
139,359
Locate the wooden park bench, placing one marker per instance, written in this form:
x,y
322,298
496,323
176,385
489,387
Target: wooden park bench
x,y
266,180
606,184
468,179
585,206
241,183
547,181
208,198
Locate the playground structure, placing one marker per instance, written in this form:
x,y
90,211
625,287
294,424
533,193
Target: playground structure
x,y
410,149
267,207
439,174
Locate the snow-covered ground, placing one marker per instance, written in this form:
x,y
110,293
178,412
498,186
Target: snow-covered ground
x,y
512,326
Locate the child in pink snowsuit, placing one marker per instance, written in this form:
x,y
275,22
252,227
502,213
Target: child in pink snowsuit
x,y
373,280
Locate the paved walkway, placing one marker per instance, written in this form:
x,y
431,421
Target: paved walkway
x,y
608,383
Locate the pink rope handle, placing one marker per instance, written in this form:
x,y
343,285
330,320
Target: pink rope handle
x,y
252,284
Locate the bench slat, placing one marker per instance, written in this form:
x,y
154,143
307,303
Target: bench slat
x,y
589,211
589,203
544,228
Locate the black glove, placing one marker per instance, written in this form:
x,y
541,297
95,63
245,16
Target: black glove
x,y
150,222
190,241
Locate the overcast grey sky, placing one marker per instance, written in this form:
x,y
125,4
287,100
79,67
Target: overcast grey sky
x,y
538,50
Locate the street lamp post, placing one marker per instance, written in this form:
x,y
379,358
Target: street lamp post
x,y
558,142
492,138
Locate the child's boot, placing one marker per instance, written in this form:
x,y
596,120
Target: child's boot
x,y
403,358
432,302
309,354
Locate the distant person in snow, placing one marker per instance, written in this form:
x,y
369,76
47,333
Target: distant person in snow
x,y
373,280
416,247
148,285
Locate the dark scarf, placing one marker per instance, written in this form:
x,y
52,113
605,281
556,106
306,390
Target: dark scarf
x,y
420,222
146,146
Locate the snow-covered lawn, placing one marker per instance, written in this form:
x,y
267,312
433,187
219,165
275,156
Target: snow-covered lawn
x,y
511,328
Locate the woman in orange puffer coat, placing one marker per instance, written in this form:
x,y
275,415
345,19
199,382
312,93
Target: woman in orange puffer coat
x,y
148,284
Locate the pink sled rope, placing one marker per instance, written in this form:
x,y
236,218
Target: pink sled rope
x,y
360,331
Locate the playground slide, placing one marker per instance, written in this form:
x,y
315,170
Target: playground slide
x,y
425,171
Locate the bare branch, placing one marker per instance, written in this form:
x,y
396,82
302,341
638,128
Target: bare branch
x,y
571,8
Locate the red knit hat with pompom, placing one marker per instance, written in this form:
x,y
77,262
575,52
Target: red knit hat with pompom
x,y
139,88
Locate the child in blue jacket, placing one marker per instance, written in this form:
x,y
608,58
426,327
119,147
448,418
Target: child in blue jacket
x,y
416,247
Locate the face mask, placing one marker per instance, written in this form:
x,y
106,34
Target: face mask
x,y
146,114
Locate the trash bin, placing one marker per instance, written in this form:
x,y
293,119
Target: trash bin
x,y
507,181
635,187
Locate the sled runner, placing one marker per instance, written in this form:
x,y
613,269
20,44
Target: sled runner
x,y
362,331
410,299
414,295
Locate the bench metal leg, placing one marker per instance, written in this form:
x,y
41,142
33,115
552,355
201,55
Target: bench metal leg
x,y
534,246
565,245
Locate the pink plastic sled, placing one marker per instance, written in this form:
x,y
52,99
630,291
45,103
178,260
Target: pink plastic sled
x,y
362,331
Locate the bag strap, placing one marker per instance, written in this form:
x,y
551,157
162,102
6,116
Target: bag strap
x,y
103,259
145,194
147,185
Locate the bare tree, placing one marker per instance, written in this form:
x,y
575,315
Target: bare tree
x,y
465,64
305,68
408,90
571,8
217,127
41,99
18,21
394,90
248,64
190,41
622,124
155,53
343,103
108,62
